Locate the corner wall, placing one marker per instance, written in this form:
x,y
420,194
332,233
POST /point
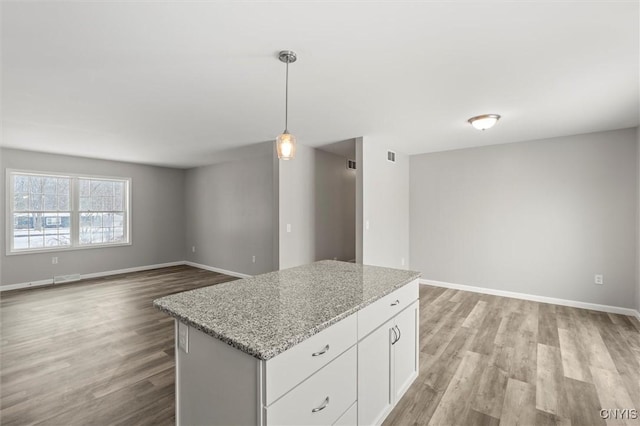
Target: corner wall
x,y
385,206
157,219
317,200
230,210
539,217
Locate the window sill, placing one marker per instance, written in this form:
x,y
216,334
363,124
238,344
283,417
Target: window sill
x,y
59,249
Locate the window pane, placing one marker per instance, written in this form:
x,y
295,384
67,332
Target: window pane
x,y
50,202
50,185
96,220
63,202
35,202
36,240
21,183
37,184
85,187
107,204
118,189
21,225
21,201
85,204
96,203
63,186
118,219
118,234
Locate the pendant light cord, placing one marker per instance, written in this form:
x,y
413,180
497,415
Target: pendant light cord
x,y
286,101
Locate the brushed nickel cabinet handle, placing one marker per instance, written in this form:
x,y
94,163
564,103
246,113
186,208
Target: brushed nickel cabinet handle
x,y
395,303
322,407
322,352
399,333
395,336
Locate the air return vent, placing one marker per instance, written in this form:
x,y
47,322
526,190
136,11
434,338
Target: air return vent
x,y
391,156
351,164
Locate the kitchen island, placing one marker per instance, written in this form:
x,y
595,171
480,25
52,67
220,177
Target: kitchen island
x,y
326,343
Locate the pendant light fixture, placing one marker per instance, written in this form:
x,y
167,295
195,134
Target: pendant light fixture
x,y
484,122
286,142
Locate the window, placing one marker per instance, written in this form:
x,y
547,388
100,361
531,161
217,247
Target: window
x,y
58,212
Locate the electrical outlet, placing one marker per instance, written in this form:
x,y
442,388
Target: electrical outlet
x,y
193,249
288,227
54,260
366,225
253,259
183,337
402,261
598,279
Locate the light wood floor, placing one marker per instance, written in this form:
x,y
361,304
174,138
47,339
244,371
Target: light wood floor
x,y
489,360
98,353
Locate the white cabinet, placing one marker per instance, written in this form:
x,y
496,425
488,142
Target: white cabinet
x,y
387,365
374,378
321,399
405,350
353,372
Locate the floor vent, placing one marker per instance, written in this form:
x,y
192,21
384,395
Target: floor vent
x,y
66,278
391,156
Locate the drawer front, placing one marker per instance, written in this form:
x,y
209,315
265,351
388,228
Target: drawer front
x,y
291,367
350,418
322,398
376,314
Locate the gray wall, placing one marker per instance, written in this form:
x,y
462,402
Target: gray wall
x,y
297,208
638,225
230,210
317,198
335,207
539,217
359,206
385,206
157,221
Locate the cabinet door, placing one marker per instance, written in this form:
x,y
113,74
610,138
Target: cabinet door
x,y
374,376
405,350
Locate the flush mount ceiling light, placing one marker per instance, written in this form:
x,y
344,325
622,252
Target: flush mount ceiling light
x,y
484,122
286,142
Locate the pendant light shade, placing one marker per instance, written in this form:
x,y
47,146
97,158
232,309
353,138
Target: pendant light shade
x,y
286,142
286,146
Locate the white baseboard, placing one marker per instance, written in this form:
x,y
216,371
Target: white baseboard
x,y
129,270
534,298
49,281
219,270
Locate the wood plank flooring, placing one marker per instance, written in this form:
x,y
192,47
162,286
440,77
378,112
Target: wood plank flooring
x,y
97,352
489,360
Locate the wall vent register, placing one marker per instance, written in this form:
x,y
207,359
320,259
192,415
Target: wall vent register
x,y
391,156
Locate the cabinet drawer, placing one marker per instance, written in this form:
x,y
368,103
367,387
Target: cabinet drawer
x,y
291,367
350,418
322,398
380,311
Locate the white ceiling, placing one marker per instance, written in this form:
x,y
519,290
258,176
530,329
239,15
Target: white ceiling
x,y
176,83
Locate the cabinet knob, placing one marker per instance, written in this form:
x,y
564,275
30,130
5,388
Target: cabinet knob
x,y
395,303
322,352
322,407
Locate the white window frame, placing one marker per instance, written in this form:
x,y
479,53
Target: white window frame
x,y
74,205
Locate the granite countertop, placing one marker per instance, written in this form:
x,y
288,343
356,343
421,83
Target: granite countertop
x,y
267,314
